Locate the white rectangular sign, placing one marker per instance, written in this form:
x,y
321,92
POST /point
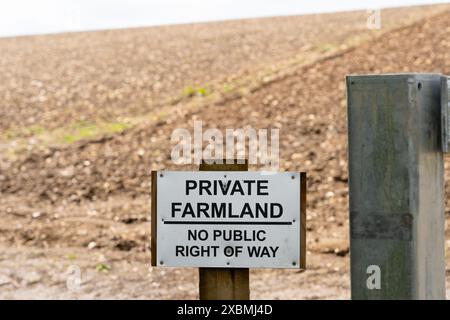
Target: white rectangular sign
x,y
230,219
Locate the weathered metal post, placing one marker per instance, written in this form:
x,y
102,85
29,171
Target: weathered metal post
x,y
396,186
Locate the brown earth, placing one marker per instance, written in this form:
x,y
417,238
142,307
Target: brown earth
x,y
86,203
50,81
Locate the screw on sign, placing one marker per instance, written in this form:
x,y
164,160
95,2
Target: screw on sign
x,y
225,224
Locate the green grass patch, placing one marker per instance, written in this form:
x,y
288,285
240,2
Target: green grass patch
x,y
203,92
14,133
327,47
190,91
89,131
102,267
116,127
71,257
227,88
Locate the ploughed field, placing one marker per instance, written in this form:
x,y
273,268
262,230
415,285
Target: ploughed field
x,y
85,117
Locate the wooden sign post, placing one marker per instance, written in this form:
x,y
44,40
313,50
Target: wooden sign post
x,y
224,221
396,187
224,283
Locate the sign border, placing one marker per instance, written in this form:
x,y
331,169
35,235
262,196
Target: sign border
x,y
303,187
154,215
153,218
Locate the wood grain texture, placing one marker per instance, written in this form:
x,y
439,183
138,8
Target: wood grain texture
x,y
224,284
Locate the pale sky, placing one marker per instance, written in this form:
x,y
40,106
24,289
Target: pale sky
x,y
22,17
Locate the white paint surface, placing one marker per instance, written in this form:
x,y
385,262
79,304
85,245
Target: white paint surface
x,y
283,188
